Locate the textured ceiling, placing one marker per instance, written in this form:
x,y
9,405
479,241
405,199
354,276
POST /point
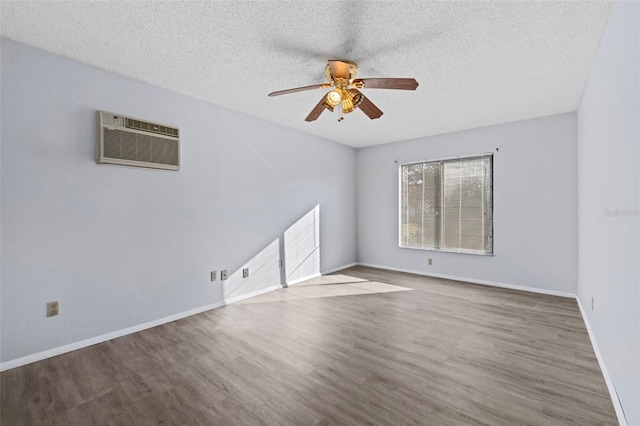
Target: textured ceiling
x,y
478,63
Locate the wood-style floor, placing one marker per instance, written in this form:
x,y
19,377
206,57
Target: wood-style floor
x,y
363,346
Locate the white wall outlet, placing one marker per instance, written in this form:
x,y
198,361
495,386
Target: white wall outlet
x,y
430,261
53,309
214,276
245,272
223,274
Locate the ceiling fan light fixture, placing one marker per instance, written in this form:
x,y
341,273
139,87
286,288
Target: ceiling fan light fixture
x,y
334,98
344,95
347,104
357,99
351,100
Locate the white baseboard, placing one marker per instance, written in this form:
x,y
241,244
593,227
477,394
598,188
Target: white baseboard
x,y
19,362
607,378
475,281
612,390
49,353
339,268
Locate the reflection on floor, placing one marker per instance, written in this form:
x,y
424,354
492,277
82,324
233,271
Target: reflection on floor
x,y
326,286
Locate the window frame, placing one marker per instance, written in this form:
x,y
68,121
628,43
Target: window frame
x,y
458,251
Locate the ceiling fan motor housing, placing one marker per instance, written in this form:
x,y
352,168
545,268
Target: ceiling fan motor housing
x,y
353,71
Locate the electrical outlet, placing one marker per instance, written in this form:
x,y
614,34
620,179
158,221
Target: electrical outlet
x,y
280,263
245,272
53,309
593,302
430,261
213,276
223,274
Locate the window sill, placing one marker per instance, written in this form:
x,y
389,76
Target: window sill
x,y
475,253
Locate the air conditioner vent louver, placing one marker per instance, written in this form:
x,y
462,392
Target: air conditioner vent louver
x,y
150,127
132,142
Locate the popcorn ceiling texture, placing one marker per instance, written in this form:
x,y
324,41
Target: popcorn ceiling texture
x,y
478,63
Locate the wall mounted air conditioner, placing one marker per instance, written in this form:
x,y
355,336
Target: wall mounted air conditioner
x,y
132,142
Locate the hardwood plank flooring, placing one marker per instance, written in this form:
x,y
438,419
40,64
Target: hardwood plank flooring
x,y
362,346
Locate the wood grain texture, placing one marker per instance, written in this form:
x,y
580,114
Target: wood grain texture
x,y
388,83
317,110
298,89
368,107
443,353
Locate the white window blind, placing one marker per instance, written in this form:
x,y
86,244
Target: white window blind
x,y
448,205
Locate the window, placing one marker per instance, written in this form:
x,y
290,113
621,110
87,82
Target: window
x,y
448,205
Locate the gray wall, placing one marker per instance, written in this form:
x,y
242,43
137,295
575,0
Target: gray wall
x,y
608,140
121,246
535,204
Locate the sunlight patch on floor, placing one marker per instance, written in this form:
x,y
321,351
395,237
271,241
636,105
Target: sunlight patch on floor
x,y
326,286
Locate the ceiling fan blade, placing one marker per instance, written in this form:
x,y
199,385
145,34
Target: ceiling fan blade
x,y
340,69
386,83
300,89
317,110
368,107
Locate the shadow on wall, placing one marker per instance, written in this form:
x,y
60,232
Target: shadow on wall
x,y
301,261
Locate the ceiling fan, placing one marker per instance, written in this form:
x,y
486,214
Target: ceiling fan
x,y
345,96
